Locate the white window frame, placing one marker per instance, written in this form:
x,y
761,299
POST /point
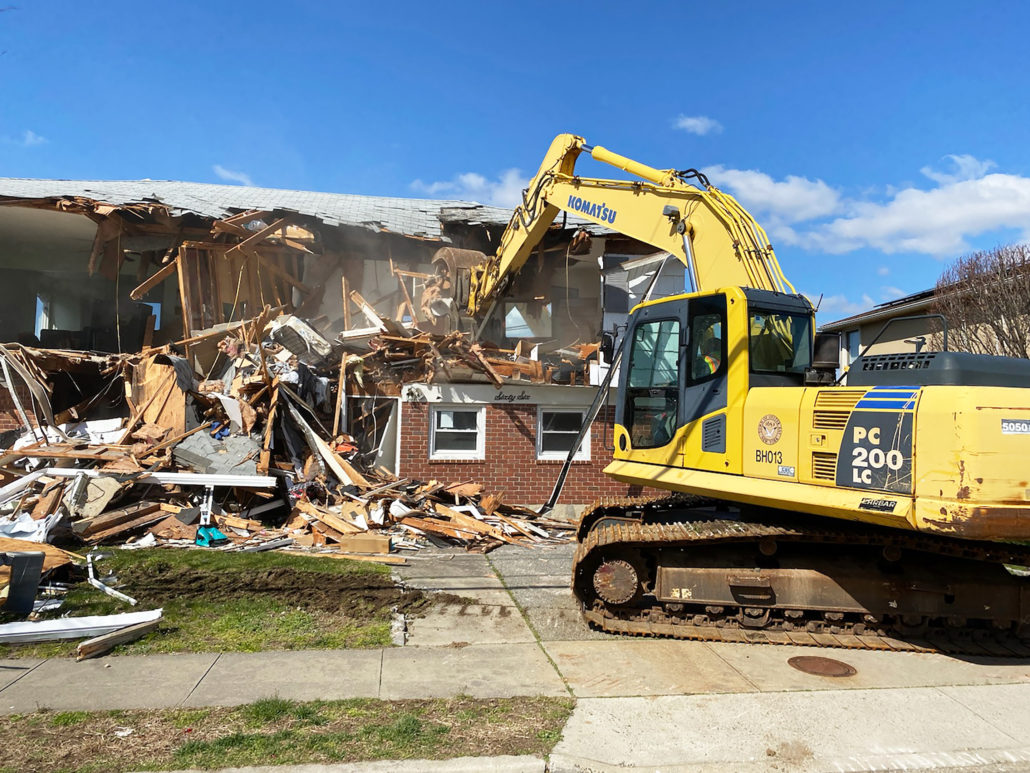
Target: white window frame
x,y
582,455
479,453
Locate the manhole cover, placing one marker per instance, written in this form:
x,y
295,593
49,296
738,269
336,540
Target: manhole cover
x,y
812,664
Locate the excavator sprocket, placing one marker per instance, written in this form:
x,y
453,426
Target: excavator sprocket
x,y
682,567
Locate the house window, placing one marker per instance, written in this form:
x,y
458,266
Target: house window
x,y
853,345
456,433
556,431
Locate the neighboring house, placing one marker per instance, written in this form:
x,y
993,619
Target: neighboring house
x,y
116,266
859,330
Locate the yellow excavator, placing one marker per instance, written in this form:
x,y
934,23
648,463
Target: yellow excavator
x,y
886,513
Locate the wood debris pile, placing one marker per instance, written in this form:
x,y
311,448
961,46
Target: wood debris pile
x,y
387,353
237,438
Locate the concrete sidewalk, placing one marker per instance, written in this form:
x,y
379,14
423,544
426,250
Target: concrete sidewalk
x,y
642,703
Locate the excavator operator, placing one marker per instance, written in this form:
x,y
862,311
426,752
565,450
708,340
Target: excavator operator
x,y
708,352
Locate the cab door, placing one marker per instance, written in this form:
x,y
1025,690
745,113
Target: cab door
x,y
648,416
703,406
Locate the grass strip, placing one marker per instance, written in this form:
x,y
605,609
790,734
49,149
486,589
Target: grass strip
x,y
241,602
276,731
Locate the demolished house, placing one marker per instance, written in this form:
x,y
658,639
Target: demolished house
x,y
349,291
259,369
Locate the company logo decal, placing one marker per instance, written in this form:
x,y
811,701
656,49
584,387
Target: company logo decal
x,y
770,429
591,208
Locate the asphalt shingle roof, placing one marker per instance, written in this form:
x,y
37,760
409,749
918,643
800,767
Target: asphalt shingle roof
x,y
411,217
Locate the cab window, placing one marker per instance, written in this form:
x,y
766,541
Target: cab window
x,y
707,346
652,393
780,342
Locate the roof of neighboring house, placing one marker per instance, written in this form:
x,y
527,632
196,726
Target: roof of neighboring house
x,y
896,308
409,217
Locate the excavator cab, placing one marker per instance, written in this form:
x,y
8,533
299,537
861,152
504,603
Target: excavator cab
x,y
691,360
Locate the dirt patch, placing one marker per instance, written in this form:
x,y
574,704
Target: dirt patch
x,y
355,596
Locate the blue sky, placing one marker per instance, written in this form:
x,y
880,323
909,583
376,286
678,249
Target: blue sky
x,y
875,141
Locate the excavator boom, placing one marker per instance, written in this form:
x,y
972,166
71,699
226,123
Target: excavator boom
x,y
707,230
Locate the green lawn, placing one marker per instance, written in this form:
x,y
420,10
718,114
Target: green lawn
x,y
275,731
240,602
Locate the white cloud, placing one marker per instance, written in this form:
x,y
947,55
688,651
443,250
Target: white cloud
x,y
964,203
30,139
504,191
791,200
936,222
839,306
966,167
230,176
698,124
883,271
889,293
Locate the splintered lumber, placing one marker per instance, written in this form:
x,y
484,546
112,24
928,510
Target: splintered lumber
x,y
101,644
491,502
149,284
477,352
329,519
470,523
465,490
87,526
356,478
156,512
436,526
320,533
239,523
248,244
48,502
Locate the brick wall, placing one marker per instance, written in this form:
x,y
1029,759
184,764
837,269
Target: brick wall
x,y
9,418
511,464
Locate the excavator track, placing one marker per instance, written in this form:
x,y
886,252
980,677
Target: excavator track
x,y
622,538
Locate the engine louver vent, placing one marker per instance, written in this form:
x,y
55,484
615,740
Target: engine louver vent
x,y
713,434
833,407
838,399
824,466
830,419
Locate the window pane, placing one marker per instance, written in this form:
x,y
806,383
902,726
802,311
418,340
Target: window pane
x,y
780,343
705,345
557,442
652,419
566,421
455,441
466,420
655,354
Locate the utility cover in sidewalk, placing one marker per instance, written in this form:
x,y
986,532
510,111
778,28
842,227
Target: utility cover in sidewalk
x,y
813,664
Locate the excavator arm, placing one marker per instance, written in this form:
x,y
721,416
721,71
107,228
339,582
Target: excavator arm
x,y
707,230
